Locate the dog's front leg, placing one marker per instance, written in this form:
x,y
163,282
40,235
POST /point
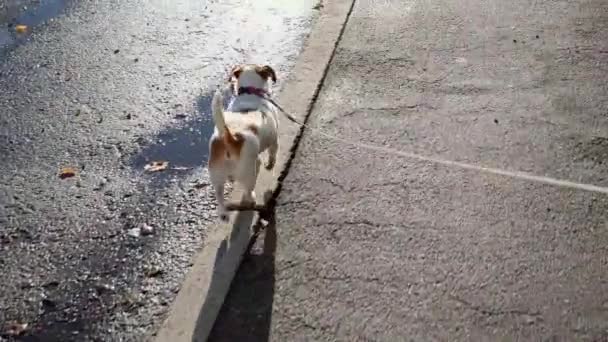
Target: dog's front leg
x,y
248,180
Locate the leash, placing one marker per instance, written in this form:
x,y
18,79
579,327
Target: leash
x,y
297,122
287,115
387,150
511,174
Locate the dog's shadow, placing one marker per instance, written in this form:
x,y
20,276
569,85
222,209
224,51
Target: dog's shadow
x,y
247,309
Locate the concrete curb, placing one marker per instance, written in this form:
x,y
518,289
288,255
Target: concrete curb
x,y
202,294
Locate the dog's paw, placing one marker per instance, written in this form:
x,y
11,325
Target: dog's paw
x,y
251,198
222,214
270,164
248,199
224,217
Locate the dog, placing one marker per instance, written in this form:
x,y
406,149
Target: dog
x,y
249,127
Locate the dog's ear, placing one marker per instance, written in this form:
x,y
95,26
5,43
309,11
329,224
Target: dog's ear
x,y
266,72
235,72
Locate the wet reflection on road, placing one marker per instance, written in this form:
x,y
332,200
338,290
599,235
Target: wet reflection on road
x,y
261,31
18,19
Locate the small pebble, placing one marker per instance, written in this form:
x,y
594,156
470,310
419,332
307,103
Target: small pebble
x,y
134,232
48,304
101,288
146,229
153,272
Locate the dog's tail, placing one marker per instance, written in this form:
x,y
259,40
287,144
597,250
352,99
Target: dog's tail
x,y
217,107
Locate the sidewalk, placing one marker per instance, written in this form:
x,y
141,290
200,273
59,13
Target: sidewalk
x,y
370,245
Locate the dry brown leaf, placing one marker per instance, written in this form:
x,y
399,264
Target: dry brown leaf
x,y
21,28
15,328
156,166
67,172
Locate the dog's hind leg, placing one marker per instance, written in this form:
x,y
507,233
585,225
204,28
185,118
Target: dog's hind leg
x,y
218,179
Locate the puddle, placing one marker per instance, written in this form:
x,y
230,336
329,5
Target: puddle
x,y
269,31
185,147
31,13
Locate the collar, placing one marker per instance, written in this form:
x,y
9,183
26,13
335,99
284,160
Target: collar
x,y
259,92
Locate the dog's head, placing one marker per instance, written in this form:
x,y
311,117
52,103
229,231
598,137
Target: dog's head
x,y
252,75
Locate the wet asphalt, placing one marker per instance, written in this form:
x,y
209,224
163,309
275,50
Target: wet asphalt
x,y
104,88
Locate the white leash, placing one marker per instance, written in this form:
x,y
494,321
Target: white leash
x,y
512,174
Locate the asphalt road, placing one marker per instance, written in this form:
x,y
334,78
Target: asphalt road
x,y
371,245
105,87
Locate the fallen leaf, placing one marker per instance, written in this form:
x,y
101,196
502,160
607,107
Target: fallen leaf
x,y
21,28
67,172
15,328
156,166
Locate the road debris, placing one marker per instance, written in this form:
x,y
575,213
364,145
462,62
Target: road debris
x,y
134,232
153,272
21,29
146,229
104,288
14,329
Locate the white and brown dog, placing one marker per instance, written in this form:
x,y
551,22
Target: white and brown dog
x,y
248,128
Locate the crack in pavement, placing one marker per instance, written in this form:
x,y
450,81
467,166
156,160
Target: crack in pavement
x,y
336,184
346,278
362,222
494,312
395,110
355,188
